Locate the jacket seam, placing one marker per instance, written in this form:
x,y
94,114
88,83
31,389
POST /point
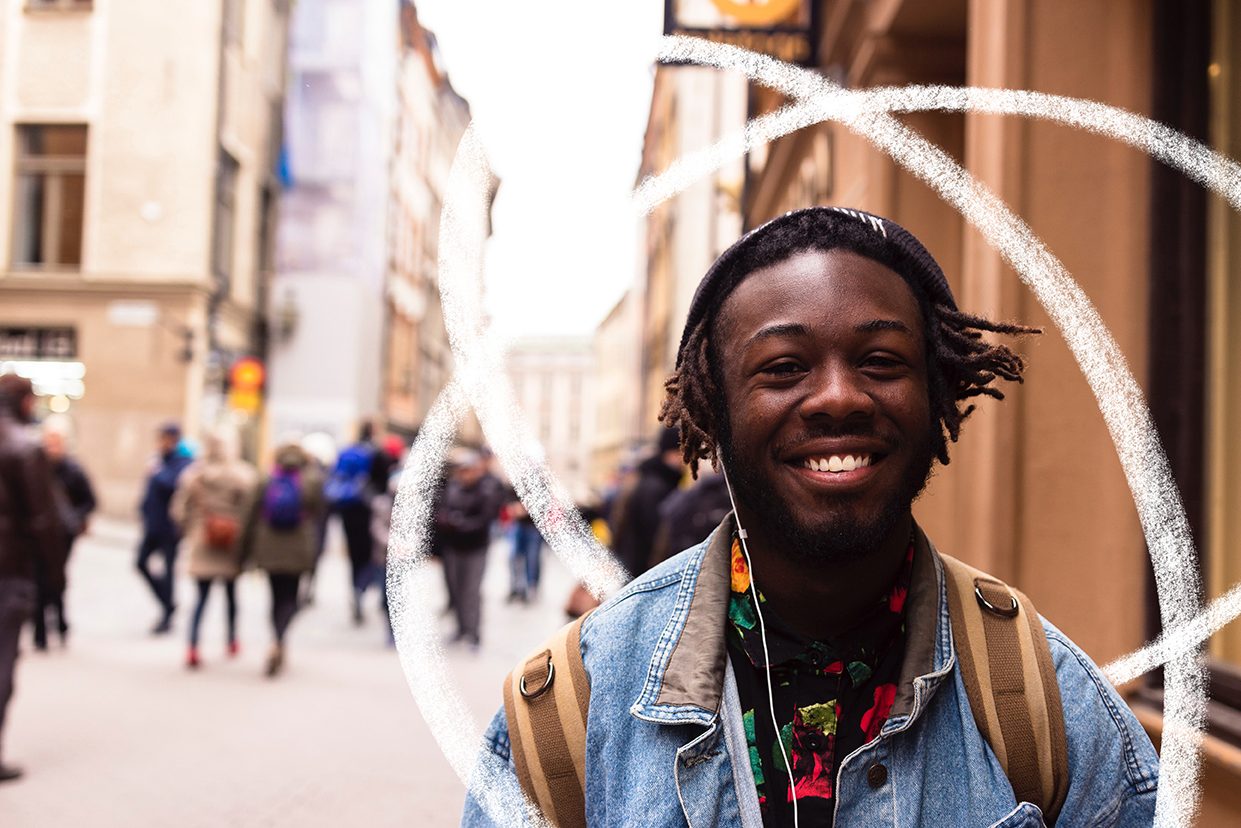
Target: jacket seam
x,y
1108,817
685,596
1138,781
627,593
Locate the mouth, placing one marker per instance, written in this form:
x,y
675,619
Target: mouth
x,y
838,463
839,472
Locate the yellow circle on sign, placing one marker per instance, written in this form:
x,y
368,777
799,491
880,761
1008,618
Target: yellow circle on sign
x,y
758,12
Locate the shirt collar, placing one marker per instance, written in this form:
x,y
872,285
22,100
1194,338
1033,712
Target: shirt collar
x,y
856,652
685,677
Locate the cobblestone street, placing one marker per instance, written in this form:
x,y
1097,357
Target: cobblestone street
x,y
115,731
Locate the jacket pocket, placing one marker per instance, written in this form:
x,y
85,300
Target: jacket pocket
x,y
1025,815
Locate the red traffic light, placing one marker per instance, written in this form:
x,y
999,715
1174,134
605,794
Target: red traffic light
x,y
247,374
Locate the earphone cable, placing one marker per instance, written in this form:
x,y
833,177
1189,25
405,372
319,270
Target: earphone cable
x,y
762,631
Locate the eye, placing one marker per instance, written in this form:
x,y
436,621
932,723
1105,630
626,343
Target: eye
x,y
883,362
786,368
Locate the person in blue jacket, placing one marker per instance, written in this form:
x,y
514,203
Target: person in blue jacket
x,y
160,535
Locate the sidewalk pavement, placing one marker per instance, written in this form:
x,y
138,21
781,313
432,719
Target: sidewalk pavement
x,y
116,731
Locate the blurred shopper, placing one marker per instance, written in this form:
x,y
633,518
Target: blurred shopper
x,y
74,503
320,451
635,514
387,462
30,532
689,515
387,459
524,554
580,600
280,536
211,504
472,501
348,492
381,524
159,534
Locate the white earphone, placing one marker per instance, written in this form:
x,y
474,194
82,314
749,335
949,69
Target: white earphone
x,y
762,632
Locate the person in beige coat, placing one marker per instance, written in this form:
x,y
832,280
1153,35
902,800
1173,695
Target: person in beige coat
x,y
210,505
281,535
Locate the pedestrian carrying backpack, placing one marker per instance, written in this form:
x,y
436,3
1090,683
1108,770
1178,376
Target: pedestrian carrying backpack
x,y
1002,654
282,500
347,484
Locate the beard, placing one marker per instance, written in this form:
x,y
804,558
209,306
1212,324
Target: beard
x,y
845,535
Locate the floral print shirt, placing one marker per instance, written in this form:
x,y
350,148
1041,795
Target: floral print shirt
x,y
831,697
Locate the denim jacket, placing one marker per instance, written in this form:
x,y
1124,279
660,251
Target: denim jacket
x,y
665,743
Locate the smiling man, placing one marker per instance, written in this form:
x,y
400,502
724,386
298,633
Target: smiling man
x,y
816,660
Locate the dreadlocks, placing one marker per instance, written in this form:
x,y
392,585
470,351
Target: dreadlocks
x,y
960,363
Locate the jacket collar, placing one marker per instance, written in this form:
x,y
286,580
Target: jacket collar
x,y
685,679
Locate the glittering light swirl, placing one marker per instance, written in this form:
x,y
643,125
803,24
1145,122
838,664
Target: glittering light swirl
x,y
480,382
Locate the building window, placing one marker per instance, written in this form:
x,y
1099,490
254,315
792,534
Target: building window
x,y
1222,301
60,5
225,218
50,195
1195,319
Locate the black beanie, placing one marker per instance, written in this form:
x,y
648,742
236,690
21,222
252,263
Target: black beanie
x,y
909,259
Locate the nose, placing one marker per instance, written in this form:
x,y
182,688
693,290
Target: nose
x,y
837,392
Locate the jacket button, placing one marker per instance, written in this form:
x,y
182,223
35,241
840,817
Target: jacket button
x,y
876,775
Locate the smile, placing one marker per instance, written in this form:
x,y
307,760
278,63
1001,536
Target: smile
x,y
837,463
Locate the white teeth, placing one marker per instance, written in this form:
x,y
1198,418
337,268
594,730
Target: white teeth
x,y
838,462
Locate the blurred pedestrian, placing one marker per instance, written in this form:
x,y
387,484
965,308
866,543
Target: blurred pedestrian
x,y
280,536
320,451
75,501
689,515
471,503
210,505
386,463
525,552
30,531
635,514
159,534
348,492
381,525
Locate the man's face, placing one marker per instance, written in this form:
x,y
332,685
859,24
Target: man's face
x,y
54,444
829,434
471,472
167,442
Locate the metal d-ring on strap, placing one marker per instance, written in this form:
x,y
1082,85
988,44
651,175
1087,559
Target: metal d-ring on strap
x,y
551,672
1006,612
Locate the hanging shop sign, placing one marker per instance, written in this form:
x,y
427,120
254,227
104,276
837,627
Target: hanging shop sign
x,y
783,29
38,343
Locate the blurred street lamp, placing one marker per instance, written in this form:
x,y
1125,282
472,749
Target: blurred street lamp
x,y
182,331
287,316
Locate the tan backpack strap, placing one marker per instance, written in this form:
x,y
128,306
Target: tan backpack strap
x,y
546,699
1011,683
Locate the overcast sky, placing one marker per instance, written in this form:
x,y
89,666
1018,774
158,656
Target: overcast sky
x,y
560,92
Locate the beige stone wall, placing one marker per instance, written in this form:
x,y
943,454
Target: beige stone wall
x,y
616,374
1042,465
147,91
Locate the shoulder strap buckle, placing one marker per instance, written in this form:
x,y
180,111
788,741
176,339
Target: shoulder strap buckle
x,y
532,673
998,594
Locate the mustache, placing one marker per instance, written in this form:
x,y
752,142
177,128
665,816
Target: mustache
x,y
859,431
